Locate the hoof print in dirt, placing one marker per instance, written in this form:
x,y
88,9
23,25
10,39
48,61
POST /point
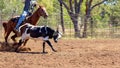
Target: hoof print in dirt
x,y
5,48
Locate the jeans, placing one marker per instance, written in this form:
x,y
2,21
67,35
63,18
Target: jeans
x,y
21,19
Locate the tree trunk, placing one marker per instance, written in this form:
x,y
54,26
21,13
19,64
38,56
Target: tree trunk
x,y
76,29
74,18
91,26
0,16
85,28
62,21
73,12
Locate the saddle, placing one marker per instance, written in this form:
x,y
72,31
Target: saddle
x,y
16,18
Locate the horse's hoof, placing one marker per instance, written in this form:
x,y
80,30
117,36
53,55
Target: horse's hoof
x,y
6,44
17,51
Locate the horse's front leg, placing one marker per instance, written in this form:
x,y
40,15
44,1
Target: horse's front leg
x,y
49,43
15,35
6,37
29,49
13,38
19,44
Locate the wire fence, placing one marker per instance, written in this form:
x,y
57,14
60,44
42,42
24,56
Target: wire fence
x,y
99,30
95,32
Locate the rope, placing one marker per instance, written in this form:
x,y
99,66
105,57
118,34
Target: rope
x,y
46,30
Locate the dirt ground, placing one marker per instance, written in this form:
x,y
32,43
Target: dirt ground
x,y
71,53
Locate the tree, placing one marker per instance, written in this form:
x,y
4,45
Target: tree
x,y
89,8
73,10
61,16
2,6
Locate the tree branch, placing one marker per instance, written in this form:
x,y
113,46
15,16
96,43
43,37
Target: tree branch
x,y
71,7
61,1
98,4
75,5
67,8
79,3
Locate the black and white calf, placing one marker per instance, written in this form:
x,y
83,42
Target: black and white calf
x,y
45,33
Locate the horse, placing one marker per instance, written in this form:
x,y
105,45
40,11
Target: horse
x,y
33,19
44,33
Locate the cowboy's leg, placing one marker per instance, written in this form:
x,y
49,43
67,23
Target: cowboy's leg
x,y
21,19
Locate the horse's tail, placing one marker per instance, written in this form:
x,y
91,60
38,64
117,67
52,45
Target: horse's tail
x,y
5,27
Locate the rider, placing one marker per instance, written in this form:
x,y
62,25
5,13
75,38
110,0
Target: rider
x,y
27,11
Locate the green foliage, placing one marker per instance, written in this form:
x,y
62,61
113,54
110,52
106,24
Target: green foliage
x,y
48,4
2,5
111,8
10,7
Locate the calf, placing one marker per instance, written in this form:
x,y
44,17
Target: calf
x,y
45,33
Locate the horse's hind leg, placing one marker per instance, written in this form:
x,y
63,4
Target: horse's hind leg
x,y
25,42
6,37
19,44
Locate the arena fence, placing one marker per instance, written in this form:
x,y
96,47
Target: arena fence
x,y
106,31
